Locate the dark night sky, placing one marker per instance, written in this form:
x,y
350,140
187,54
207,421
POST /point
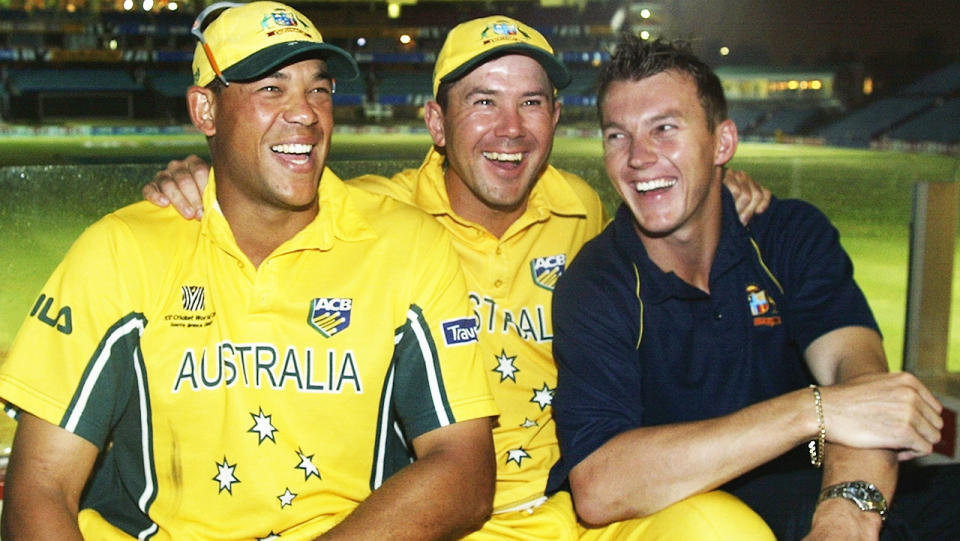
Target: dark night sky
x,y
798,31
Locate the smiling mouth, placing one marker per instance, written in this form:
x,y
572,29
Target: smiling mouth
x,y
295,150
655,184
507,157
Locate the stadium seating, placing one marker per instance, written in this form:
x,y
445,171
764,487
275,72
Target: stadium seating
x,y
863,125
940,124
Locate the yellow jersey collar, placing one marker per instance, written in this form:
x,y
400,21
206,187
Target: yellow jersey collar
x,y
338,219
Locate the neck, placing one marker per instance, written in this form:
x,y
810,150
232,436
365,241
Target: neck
x,y
690,250
259,229
466,205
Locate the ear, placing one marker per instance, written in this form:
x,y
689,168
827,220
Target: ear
x,y
433,116
726,139
201,103
557,106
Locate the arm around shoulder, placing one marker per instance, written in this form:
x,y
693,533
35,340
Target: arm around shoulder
x,y
49,467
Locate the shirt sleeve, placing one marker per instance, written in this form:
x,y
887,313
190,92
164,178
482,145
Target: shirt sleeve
x,y
596,317
816,273
439,379
66,354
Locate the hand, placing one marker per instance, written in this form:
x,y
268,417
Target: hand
x,y
182,184
749,197
841,519
883,411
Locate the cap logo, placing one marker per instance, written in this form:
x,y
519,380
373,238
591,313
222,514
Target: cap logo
x,y
280,21
502,30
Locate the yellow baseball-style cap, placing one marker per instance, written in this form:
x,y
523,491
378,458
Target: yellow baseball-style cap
x,y
474,42
249,41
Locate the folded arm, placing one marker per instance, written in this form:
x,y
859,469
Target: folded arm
x,y
445,493
48,469
867,412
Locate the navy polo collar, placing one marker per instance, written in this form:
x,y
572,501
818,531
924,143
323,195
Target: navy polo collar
x,y
658,286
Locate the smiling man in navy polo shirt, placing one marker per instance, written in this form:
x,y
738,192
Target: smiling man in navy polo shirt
x,y
696,353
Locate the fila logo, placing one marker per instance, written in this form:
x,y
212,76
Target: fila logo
x,y
547,270
193,298
457,332
330,315
64,320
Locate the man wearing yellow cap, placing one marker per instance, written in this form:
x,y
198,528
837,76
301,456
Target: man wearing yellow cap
x,y
300,362
516,222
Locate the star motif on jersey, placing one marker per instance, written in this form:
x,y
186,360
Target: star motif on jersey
x,y
529,423
286,498
270,536
225,476
543,397
263,426
306,464
517,455
505,366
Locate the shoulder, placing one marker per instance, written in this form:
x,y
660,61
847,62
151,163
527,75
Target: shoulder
x,y
400,186
583,191
787,219
389,216
138,227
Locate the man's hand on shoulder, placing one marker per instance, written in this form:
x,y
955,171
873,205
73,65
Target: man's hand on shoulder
x,y
749,197
181,184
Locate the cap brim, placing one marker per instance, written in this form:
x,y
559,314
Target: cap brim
x,y
261,63
556,71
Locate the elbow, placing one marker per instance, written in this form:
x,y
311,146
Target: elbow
x,y
476,501
596,503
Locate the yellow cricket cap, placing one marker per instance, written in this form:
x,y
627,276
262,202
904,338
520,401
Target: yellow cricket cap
x,y
474,42
249,41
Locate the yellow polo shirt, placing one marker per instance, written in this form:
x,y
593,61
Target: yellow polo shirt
x,y
234,402
511,281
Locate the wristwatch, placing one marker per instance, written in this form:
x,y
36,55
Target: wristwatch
x,y
864,494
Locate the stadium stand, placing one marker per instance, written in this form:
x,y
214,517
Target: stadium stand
x,y
865,124
785,121
73,91
940,124
940,83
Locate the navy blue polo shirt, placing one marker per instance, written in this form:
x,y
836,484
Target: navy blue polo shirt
x,y
639,347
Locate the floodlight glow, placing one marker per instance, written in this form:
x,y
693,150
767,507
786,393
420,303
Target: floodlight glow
x,y
405,39
112,45
645,13
816,84
724,51
128,4
361,42
147,5
173,6
644,35
393,11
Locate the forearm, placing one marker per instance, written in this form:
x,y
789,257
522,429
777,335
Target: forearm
x,y
644,470
838,518
39,516
442,495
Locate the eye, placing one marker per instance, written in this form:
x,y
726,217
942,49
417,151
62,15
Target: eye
x,y
533,101
483,101
666,127
269,88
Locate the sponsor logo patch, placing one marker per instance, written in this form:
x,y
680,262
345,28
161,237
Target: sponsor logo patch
x,y
547,270
461,331
762,307
330,315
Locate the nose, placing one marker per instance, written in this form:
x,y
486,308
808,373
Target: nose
x,y
641,154
509,122
299,110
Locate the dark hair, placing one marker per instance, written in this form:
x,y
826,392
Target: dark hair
x,y
635,59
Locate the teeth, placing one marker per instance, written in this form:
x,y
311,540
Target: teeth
x,y
655,184
292,148
503,156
